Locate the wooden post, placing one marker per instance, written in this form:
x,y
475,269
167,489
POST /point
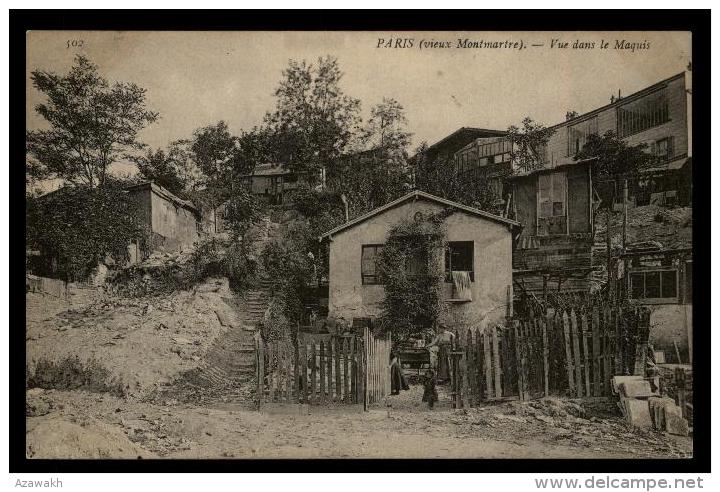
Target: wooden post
x,y
680,387
496,357
619,342
568,355
346,368
260,361
330,370
366,365
574,328
353,370
607,350
488,365
337,351
303,370
322,372
518,360
546,353
597,370
313,371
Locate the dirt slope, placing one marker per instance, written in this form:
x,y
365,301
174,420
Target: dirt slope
x,y
145,342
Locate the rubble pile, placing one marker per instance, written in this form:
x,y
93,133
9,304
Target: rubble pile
x,y
644,407
670,227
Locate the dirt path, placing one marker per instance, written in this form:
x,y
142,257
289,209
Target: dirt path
x,y
407,430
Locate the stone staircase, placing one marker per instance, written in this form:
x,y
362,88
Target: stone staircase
x,y
231,359
229,365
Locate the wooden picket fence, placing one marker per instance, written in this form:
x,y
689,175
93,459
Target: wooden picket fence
x,y
573,353
377,374
323,369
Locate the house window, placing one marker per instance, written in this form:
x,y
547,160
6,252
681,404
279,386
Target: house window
x,y
369,264
647,112
654,285
663,148
459,258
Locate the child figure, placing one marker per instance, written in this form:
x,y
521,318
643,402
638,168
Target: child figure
x,y
430,394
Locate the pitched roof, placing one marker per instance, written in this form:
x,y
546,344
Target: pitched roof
x,y
164,193
417,194
465,135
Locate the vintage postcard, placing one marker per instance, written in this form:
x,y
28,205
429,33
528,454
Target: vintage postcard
x,y
366,244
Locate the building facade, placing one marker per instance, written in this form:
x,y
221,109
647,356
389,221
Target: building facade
x,y
479,245
173,223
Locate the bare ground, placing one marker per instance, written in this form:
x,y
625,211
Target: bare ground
x,y
234,430
124,335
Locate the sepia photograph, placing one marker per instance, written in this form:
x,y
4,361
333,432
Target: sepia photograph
x,y
368,244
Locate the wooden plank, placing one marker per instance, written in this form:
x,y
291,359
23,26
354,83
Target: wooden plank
x,y
518,358
313,372
568,355
336,351
271,373
607,376
360,377
480,361
574,332
346,367
330,370
322,372
366,363
598,389
470,357
488,366
353,370
496,356
304,370
619,342
260,369
583,327
545,357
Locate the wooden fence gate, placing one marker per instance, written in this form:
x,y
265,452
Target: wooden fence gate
x,y
323,369
573,353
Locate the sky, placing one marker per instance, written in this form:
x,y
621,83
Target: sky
x,y
194,79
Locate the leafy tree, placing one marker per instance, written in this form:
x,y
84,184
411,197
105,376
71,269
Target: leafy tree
x,y
387,127
171,169
76,227
380,173
223,157
314,120
529,143
92,124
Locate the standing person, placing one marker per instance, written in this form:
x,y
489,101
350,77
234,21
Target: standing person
x,y
397,378
430,392
441,345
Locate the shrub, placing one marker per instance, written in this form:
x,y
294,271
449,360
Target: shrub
x,y
78,226
72,373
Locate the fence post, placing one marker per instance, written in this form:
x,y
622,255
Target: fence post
x,y
577,359
546,352
583,327
260,370
597,371
365,366
568,354
518,361
496,357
